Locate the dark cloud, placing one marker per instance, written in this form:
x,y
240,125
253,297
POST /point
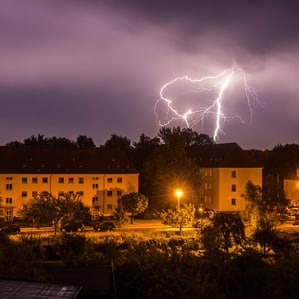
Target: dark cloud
x,y
96,67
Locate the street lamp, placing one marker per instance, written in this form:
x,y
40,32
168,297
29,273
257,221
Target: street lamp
x,y
178,193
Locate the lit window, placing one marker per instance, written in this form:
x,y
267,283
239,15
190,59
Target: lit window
x,y
71,180
109,193
234,188
81,180
95,199
24,194
8,200
95,186
34,180
234,201
120,180
45,180
24,180
8,186
60,180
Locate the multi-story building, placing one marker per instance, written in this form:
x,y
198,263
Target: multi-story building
x,y
98,175
291,189
226,169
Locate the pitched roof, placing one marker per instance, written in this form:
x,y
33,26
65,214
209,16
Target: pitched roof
x,y
63,160
222,155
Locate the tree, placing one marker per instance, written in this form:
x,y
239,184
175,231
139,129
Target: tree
x,y
46,209
85,142
263,203
178,217
119,142
169,169
133,203
224,231
120,215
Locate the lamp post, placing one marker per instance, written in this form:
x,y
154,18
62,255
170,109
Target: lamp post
x,y
178,193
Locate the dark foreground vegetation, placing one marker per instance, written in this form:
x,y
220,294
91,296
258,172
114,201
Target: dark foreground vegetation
x,y
161,265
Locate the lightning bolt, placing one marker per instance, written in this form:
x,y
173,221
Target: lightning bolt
x,y
195,115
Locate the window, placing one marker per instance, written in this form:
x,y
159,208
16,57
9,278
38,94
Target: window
x,y
95,186
60,180
9,178
8,200
34,193
109,207
80,193
71,180
44,180
234,174
234,187
234,201
81,180
60,193
119,193
95,199
24,180
109,193
109,180
34,180
8,186
120,180
24,194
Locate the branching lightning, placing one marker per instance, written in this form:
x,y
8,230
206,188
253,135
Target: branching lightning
x,y
212,108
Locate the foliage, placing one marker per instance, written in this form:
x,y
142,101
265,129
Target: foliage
x,y
224,231
120,214
178,217
133,203
263,206
46,209
171,168
267,237
119,142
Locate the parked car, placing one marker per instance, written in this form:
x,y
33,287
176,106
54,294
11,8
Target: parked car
x,y
10,229
104,226
73,227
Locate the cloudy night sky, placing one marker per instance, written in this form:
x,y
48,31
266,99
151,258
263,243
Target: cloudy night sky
x,y
70,68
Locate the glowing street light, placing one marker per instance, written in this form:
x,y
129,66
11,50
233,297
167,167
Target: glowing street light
x,y
178,193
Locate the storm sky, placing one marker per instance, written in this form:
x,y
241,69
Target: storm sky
x,y
70,68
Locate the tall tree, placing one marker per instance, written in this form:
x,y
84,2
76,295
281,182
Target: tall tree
x,y
169,169
119,142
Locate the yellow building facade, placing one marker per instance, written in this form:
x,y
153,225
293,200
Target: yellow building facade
x,y
291,189
226,169
98,176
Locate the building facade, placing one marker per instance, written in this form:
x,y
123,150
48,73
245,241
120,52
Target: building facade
x,y
226,169
291,189
97,175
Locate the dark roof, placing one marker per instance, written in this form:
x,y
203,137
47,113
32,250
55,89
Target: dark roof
x,y
14,289
222,155
63,160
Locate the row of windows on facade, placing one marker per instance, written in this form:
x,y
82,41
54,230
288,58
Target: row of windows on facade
x,y
208,199
61,180
10,186
208,172
209,187
95,199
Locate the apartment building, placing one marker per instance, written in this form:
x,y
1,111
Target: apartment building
x,y
226,168
291,189
99,176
